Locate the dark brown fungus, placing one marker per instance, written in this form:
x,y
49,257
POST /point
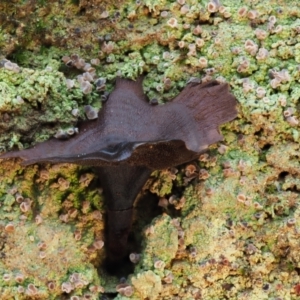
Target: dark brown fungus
x,y
131,137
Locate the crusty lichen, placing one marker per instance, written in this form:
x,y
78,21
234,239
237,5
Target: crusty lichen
x,y
230,227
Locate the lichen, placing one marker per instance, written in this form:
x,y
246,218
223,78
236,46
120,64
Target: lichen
x,y
229,230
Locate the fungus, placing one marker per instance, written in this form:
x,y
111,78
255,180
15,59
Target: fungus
x,y
203,174
168,278
131,138
203,62
95,61
252,14
251,47
6,277
61,135
134,257
164,14
242,11
19,278
31,290
197,30
184,9
181,44
262,54
212,7
25,206
192,50
70,83
98,244
159,264
9,228
124,289
260,34
90,112
67,287
172,22
163,202
199,42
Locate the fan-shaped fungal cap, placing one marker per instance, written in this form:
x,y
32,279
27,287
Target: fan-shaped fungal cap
x,y
130,130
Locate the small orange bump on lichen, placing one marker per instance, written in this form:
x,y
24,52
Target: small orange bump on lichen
x,y
241,198
51,285
203,63
172,22
77,235
282,100
164,14
242,180
64,218
181,44
209,191
190,170
278,29
25,206
292,120
159,264
6,277
184,9
38,219
228,172
262,54
168,278
192,50
42,245
19,198
252,14
291,222
260,34
98,244
149,230
96,289
9,228
212,6
260,92
163,202
197,30
257,206
203,174
199,43
31,290
19,278
67,287
222,149
192,252
96,214
251,47
204,157
73,212
242,11
125,289
42,254
272,19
